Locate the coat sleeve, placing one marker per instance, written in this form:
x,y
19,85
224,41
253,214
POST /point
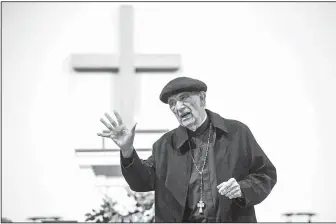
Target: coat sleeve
x,y
262,174
138,173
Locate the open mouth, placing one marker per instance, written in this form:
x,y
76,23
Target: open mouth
x,y
185,115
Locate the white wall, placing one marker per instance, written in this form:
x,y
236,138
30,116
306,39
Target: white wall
x,y
269,65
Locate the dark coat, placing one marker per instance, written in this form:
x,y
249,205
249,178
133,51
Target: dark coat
x,y
168,170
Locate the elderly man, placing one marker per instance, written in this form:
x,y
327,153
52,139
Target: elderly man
x,y
209,169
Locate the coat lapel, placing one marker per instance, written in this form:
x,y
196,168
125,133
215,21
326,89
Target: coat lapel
x,y
223,173
178,175
221,151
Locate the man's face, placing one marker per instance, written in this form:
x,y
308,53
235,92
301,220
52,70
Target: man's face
x,y
188,107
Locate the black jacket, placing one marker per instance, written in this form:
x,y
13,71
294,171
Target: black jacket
x,y
237,155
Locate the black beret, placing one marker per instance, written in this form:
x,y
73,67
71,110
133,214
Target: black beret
x,y
181,84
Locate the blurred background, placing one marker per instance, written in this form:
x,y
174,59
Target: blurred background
x,y
270,65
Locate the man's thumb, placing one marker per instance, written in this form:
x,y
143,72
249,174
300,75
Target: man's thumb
x,y
133,129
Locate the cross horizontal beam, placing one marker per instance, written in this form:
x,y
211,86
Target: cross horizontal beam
x,y
109,150
101,157
146,131
111,62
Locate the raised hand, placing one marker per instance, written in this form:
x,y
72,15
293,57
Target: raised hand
x,y
119,133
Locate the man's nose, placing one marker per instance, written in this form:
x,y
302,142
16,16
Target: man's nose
x,y
179,105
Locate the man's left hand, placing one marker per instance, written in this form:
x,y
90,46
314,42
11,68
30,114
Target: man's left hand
x,y
230,189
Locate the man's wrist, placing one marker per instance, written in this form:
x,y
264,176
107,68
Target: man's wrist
x,y
127,161
127,153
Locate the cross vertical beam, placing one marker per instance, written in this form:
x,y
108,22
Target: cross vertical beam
x,y
126,88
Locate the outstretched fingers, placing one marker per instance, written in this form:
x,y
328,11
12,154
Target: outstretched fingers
x,y
105,135
114,124
120,122
106,124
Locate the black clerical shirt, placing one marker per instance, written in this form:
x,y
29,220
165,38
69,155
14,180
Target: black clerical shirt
x,y
198,143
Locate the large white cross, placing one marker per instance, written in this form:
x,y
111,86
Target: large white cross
x,y
127,64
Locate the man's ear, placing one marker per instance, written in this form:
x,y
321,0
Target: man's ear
x,y
203,98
